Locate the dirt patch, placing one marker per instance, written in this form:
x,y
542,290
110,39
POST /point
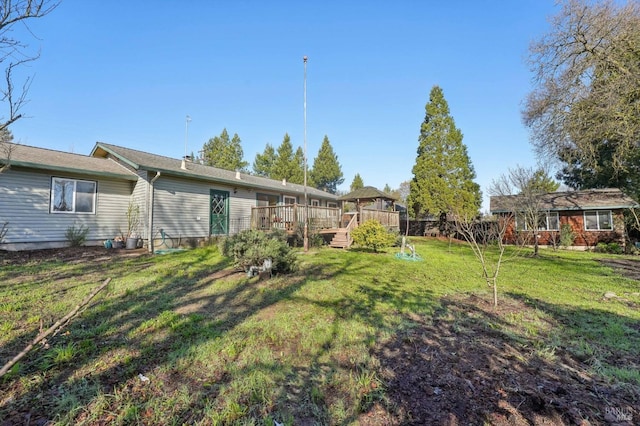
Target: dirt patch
x,y
67,254
629,268
463,367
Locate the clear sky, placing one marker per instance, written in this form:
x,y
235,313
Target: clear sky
x,y
129,72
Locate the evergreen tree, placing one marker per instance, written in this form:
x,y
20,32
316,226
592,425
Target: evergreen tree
x,y
326,173
297,170
224,153
543,183
263,163
357,183
387,189
443,174
288,165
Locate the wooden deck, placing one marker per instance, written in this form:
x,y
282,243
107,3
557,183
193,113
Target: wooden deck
x,y
291,216
322,220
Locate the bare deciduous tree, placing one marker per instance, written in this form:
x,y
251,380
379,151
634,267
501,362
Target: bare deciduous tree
x,y
15,53
587,83
521,194
486,239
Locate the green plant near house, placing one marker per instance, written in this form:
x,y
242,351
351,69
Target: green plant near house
x,y
3,230
567,237
133,219
613,248
76,236
372,235
252,247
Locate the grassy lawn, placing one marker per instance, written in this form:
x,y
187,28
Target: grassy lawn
x,y
316,347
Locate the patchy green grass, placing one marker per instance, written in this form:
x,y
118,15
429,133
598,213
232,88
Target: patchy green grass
x,y
220,348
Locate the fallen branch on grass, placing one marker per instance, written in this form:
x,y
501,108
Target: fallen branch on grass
x,y
51,329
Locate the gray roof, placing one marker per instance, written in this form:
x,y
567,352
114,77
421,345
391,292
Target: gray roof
x,y
588,199
141,160
64,162
367,193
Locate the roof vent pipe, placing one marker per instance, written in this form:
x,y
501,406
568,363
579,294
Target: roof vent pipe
x,y
238,175
284,182
183,166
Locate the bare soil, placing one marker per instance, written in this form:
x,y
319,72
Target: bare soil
x,y
69,254
461,368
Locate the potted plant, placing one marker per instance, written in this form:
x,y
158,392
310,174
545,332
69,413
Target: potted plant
x,y
133,222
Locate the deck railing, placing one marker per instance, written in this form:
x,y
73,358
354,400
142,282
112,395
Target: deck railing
x,y
386,218
288,217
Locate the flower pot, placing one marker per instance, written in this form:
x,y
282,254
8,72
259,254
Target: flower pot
x,y
132,243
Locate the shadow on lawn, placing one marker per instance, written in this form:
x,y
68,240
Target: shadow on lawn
x,y
449,361
140,332
472,364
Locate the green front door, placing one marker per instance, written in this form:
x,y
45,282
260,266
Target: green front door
x,y
219,222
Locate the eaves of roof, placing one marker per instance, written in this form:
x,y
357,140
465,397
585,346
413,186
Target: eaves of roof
x,y
157,163
61,169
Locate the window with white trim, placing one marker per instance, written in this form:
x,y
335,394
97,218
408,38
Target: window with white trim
x,y
73,196
547,221
289,200
332,205
315,203
598,220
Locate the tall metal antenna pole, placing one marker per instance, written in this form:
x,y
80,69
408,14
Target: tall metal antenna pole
x,y
306,201
186,135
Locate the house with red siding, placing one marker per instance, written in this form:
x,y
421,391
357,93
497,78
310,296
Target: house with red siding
x,y
593,215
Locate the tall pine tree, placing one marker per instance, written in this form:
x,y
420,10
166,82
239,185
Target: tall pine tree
x,y
326,173
443,174
357,183
288,165
224,153
263,163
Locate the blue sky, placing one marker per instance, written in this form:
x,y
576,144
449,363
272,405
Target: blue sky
x,y
129,72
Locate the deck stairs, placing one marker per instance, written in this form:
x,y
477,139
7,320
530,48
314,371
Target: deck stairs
x,y
341,239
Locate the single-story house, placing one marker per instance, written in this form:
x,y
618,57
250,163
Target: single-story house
x,y
46,192
594,215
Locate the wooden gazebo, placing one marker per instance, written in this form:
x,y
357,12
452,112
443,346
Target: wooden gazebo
x,y
368,195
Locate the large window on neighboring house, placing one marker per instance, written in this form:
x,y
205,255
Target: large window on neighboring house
x,y
547,221
598,220
72,196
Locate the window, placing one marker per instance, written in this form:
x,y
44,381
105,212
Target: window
x,y
547,221
598,220
73,196
266,200
289,200
333,205
315,203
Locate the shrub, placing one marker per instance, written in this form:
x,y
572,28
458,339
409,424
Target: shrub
x,y
252,247
373,235
613,248
315,239
567,237
76,237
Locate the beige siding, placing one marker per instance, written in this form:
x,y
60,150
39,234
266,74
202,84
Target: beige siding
x,y
240,210
140,197
24,202
181,208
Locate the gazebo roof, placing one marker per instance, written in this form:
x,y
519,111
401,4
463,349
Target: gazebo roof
x,y
367,193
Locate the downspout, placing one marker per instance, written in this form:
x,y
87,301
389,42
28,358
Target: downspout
x,y
150,230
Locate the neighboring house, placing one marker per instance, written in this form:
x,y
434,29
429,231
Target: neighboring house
x,y
46,192
594,215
